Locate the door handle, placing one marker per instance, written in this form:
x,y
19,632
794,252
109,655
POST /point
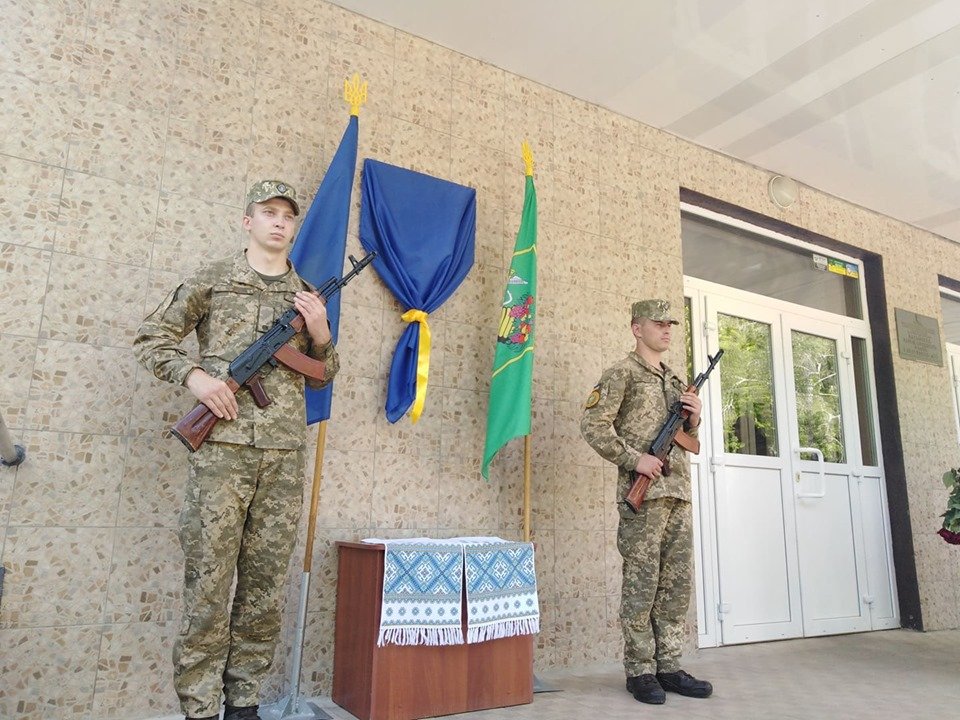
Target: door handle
x,y
823,477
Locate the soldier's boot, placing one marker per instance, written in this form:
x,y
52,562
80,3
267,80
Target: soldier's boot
x,y
646,689
241,713
685,684
206,717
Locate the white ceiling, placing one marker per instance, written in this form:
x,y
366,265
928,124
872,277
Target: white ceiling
x,y
860,98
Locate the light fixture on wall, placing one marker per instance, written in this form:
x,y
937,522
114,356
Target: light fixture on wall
x,y
782,191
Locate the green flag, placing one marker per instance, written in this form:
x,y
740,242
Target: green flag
x,y
509,413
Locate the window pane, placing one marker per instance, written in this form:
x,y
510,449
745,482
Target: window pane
x,y
951,318
688,325
746,387
861,378
818,395
750,261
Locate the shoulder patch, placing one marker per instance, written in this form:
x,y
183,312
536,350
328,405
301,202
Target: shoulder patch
x,y
594,397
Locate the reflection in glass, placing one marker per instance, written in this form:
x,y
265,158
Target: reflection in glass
x,y
818,395
746,387
861,379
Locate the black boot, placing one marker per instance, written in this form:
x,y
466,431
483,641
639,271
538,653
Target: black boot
x,y
646,689
241,713
685,684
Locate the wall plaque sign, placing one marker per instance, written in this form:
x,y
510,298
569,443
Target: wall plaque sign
x,y
918,337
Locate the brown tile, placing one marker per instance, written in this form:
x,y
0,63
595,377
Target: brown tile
x,y
80,311
55,574
29,198
134,672
106,220
79,388
48,672
23,274
71,480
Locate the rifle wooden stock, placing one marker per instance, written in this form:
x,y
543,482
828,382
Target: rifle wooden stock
x,y
638,491
195,427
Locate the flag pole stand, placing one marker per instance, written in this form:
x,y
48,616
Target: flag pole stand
x,y
294,707
538,685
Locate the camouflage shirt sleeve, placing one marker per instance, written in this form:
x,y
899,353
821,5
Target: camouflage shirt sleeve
x,y
600,413
328,354
157,345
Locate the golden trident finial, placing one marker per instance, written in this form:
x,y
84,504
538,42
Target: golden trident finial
x,y
527,157
355,93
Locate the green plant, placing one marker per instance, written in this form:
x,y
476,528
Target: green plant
x,y
951,518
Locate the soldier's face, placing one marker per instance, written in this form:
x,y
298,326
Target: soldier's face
x,y
655,334
272,225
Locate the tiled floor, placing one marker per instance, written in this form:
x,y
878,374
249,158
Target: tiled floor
x,y
892,675
897,674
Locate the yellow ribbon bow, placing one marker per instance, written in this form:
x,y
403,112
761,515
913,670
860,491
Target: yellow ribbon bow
x,y
423,360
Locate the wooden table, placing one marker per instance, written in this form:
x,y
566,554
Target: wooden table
x,y
403,682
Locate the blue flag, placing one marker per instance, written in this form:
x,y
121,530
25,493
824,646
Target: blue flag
x,y
318,253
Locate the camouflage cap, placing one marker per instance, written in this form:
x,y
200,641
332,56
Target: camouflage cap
x,y
656,310
268,189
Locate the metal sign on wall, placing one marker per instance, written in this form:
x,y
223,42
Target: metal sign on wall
x,y
918,337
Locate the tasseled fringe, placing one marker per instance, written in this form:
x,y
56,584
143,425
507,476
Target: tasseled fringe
x,y
503,628
420,636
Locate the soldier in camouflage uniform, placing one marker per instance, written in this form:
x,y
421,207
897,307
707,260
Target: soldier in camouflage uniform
x,y
622,416
245,488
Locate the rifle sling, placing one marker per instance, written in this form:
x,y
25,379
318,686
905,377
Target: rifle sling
x,y
688,443
298,362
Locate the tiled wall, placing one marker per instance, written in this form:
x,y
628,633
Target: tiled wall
x,y
129,130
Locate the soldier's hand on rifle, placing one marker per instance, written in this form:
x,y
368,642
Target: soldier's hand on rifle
x,y
213,393
314,312
649,465
692,404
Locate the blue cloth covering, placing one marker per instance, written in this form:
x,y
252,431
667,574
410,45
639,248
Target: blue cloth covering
x,y
318,252
423,230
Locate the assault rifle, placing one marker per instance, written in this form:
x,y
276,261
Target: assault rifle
x,y
671,433
195,427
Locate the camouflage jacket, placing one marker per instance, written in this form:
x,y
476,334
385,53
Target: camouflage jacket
x,y
230,306
623,415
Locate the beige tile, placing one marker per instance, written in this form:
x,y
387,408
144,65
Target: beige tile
x,y
577,202
118,142
153,20
23,274
432,60
491,243
571,448
580,568
293,47
35,119
360,338
191,231
464,423
151,487
113,64
578,621
346,489
106,220
362,31
42,41
421,98
421,149
221,30
528,94
290,112
79,388
211,92
578,369
480,168
478,115
477,73
134,674
158,405
481,288
621,212
408,438
205,164
577,149
146,576
579,498
356,406
468,360
48,672
78,311
55,575
29,199
408,488
16,358
525,123
466,499
317,676
71,480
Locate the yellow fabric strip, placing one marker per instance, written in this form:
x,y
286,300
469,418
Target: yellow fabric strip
x,y
511,361
423,360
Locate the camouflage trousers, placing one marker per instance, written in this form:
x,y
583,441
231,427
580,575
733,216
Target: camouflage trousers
x,y
240,514
656,544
